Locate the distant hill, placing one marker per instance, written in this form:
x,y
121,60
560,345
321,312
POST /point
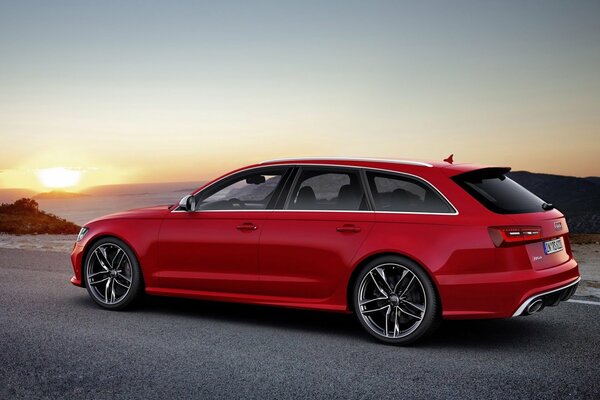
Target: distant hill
x,y
128,189
24,217
594,179
10,195
135,189
577,198
57,194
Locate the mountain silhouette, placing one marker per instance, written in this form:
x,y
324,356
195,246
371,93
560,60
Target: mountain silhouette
x,y
577,198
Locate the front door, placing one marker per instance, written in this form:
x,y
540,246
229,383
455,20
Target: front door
x,y
215,248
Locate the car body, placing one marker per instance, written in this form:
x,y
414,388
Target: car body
x,y
305,248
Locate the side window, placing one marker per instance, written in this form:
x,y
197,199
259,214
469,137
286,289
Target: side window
x,y
327,189
252,191
398,193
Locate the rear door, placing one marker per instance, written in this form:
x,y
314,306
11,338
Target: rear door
x,y
308,245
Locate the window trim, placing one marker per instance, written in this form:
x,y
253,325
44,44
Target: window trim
x,y
365,183
295,167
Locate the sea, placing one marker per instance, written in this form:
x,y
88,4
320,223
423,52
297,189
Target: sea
x,y
103,201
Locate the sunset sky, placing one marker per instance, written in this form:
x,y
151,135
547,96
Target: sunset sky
x,y
131,91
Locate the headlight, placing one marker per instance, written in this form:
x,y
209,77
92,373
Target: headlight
x,y
82,233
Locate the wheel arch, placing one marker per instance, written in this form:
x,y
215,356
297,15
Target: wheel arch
x,y
95,240
367,259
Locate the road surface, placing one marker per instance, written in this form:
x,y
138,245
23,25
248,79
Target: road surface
x,y
57,343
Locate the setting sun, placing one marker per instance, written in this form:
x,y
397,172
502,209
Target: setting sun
x,y
59,177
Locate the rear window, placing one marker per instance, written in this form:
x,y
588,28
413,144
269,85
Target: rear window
x,y
404,194
492,188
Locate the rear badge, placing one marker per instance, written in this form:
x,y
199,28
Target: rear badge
x,y
537,258
558,226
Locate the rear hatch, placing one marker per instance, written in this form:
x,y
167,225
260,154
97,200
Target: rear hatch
x,y
528,221
553,247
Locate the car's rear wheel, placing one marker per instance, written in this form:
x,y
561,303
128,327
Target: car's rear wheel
x,y
112,274
395,300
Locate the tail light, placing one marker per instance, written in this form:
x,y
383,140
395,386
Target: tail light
x,y
510,235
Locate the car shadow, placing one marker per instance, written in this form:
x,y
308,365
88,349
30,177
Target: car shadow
x,y
513,333
473,334
518,332
272,317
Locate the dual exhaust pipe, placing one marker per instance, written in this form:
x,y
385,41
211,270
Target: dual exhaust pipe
x,y
534,307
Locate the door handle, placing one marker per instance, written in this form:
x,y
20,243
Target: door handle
x,y
348,228
247,226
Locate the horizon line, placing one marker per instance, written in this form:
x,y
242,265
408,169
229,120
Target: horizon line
x,y
202,181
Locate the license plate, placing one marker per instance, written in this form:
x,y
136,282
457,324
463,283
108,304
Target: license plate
x,y
552,246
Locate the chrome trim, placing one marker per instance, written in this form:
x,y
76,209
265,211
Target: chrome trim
x,y
534,297
327,211
183,203
456,212
387,160
276,210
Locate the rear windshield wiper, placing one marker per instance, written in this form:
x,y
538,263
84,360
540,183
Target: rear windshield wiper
x,y
547,206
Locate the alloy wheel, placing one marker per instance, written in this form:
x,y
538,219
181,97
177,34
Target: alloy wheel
x,y
392,300
109,273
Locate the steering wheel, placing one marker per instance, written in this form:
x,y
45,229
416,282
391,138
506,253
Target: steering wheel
x,y
236,203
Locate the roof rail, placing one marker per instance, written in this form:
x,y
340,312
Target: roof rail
x,y
407,162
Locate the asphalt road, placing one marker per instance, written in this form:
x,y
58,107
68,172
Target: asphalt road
x,y
57,343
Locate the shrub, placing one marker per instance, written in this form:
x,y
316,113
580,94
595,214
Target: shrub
x,y
25,217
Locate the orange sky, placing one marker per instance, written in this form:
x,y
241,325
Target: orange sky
x,y
185,93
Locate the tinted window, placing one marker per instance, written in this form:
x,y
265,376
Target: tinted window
x,y
328,190
499,193
398,193
251,191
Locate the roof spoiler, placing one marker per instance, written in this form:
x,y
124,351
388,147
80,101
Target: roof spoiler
x,y
483,173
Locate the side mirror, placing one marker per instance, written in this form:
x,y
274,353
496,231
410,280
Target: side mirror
x,y
188,203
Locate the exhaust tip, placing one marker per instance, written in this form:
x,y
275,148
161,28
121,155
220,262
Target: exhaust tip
x,y
534,306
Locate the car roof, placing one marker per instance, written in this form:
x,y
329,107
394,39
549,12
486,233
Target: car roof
x,y
382,163
411,166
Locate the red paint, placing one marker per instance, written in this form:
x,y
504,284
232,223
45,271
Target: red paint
x,y
305,259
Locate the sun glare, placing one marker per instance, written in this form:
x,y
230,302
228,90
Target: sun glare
x,y
59,177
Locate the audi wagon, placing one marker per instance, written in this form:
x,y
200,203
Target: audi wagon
x,y
402,244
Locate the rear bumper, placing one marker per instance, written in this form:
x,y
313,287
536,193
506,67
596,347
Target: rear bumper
x,y
501,294
549,298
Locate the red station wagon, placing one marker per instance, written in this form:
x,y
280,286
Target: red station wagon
x,y
401,244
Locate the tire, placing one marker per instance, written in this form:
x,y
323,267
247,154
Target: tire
x,y
112,274
395,301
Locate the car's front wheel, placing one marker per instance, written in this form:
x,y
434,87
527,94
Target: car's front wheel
x,y
395,300
112,274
